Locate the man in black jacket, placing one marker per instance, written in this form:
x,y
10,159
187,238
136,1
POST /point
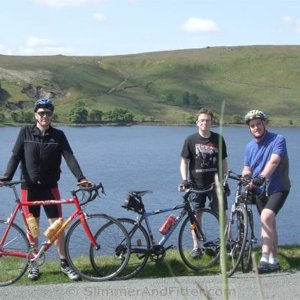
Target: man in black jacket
x,y
39,148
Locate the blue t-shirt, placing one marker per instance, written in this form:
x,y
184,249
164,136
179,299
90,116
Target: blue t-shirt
x,y
259,153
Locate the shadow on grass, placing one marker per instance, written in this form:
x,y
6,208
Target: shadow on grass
x,y
171,268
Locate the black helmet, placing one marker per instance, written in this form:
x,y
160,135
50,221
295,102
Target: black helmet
x,y
254,114
43,103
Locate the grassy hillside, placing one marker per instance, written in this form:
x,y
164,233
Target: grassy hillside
x,y
151,85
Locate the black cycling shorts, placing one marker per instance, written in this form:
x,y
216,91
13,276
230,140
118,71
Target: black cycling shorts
x,y
273,202
199,201
52,211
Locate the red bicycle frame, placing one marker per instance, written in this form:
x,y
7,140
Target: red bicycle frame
x,y
47,244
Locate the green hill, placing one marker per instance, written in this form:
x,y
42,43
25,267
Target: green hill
x,y
166,87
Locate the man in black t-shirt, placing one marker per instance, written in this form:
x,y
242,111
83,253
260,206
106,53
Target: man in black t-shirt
x,y
200,162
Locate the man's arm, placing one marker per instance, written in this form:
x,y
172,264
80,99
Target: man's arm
x,y
246,171
271,166
184,168
225,166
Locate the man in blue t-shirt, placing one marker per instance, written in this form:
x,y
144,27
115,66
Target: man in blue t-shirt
x,y
266,158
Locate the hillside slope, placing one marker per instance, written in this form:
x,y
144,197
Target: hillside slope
x,y
167,87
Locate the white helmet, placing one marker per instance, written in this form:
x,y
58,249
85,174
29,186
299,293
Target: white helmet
x,y
254,114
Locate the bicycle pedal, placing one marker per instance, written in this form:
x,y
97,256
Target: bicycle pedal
x,y
170,247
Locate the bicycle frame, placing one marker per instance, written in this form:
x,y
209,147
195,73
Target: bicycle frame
x,y
47,244
165,238
185,209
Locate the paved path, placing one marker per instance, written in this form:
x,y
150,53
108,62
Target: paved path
x,y
279,286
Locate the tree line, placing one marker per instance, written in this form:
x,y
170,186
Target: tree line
x,y
79,114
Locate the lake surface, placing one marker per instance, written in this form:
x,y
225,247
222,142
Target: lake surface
x,y
147,158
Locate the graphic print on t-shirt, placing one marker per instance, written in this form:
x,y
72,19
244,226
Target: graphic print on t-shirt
x,y
206,155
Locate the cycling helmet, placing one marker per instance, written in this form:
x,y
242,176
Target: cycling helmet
x,y
254,114
43,103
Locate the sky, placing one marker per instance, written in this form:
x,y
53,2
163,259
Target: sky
x,y
119,27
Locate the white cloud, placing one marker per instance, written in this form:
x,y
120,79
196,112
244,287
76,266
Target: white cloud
x,y
9,52
34,41
64,3
42,46
291,24
99,17
46,51
199,25
1,46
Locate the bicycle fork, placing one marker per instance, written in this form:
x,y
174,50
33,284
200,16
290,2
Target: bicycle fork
x,y
250,217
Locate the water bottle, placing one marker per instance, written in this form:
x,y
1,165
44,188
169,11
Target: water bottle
x,y
33,226
53,228
167,225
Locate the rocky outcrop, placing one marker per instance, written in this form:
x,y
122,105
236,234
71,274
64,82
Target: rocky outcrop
x,y
37,92
19,105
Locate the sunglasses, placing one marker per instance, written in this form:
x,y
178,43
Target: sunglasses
x,y
45,113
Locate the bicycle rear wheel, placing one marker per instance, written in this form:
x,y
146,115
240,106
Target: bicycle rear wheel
x,y
105,262
140,248
12,267
209,233
236,237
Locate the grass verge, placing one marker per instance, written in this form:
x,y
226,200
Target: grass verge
x,y
171,266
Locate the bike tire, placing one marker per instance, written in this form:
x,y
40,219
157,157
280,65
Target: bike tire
x,y
236,237
103,263
211,230
13,267
246,261
140,248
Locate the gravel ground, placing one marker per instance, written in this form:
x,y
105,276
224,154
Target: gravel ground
x,y
242,286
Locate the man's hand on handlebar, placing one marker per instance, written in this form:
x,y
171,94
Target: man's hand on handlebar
x,y
184,185
258,181
85,183
227,191
3,179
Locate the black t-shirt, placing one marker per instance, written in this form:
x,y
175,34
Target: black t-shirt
x,y
203,154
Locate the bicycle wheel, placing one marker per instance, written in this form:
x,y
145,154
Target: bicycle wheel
x,y
209,233
12,266
105,262
140,245
246,261
236,237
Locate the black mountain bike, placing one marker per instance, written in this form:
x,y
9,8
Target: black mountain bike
x,y
204,228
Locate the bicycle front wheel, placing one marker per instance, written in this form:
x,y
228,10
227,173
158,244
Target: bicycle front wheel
x,y
13,254
140,248
236,237
246,261
207,233
98,263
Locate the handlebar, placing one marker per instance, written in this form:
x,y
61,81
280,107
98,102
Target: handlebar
x,y
89,193
11,184
191,189
244,180
232,175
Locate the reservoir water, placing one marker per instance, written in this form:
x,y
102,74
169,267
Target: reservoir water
x,y
147,158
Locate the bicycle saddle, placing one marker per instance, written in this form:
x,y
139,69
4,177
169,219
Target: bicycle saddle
x,y
139,193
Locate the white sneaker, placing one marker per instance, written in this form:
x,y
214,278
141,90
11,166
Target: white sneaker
x,y
34,273
70,273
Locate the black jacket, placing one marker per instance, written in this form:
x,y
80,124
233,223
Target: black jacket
x,y
40,157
